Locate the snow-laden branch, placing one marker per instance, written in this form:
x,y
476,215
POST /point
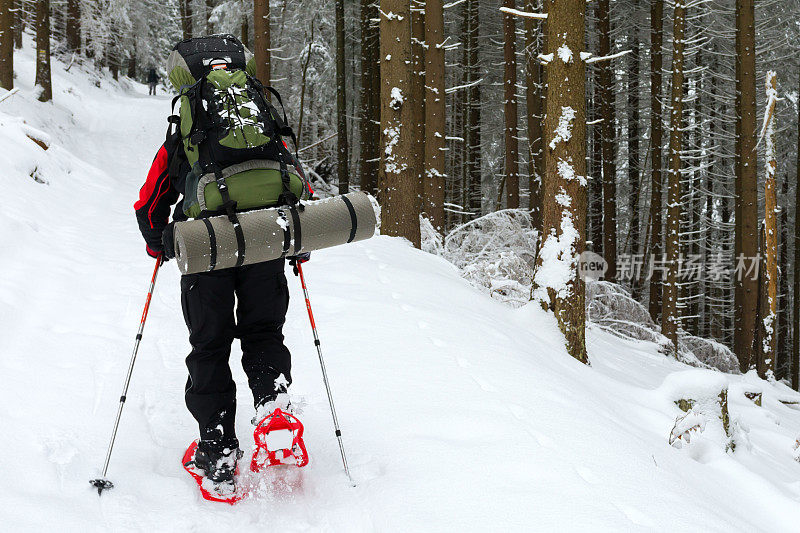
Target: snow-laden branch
x,y
526,14
607,58
465,86
10,93
453,4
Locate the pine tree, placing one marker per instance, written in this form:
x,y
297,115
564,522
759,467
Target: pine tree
x,y
769,314
435,115
73,25
342,152
511,163
262,42
43,80
370,96
564,190
417,92
605,81
670,321
398,186
533,102
746,181
656,140
6,44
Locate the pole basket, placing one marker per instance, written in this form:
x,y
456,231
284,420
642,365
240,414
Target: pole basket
x,y
279,441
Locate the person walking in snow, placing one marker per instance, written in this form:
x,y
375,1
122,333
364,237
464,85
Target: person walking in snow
x,y
245,302
152,80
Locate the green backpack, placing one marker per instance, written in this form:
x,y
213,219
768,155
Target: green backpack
x,y
231,135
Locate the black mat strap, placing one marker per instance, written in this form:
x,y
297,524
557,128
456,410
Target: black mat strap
x,y
353,218
212,237
287,236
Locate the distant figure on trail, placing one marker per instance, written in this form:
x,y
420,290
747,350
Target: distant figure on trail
x,y
152,80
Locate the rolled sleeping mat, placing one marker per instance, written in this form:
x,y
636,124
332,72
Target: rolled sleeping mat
x,y
207,244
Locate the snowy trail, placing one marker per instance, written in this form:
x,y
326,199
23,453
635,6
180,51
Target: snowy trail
x,y
458,413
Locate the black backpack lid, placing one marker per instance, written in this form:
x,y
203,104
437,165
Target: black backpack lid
x,y
201,52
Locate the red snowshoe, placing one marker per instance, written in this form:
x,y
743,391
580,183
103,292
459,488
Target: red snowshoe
x,y
224,493
279,441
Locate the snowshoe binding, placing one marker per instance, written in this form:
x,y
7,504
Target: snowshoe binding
x,y
279,441
214,472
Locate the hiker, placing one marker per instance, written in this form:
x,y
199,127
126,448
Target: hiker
x,y
152,80
214,66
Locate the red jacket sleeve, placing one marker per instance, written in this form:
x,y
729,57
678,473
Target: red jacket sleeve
x,y
156,197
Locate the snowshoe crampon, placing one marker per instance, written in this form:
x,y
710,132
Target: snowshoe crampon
x,y
211,491
279,441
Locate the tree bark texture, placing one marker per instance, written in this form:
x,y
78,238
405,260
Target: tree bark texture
x,y
564,217
656,142
472,124
73,33
435,115
533,98
605,80
770,313
370,96
186,18
262,42
670,321
342,151
795,365
747,183
43,79
418,96
7,44
399,187
511,159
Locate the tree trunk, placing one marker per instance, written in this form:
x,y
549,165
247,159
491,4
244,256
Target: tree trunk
x,y
605,80
342,155
796,281
209,9
399,187
418,96
784,332
245,32
564,220
261,41
435,115
7,44
670,322
633,141
656,140
73,26
769,317
747,193
186,18
511,163
472,125
370,96
533,97
19,23
43,50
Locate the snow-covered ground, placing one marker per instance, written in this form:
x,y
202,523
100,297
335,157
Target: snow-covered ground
x,y
458,413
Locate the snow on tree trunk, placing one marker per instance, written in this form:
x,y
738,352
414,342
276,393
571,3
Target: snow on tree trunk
x,y
769,316
398,185
556,283
435,115
670,322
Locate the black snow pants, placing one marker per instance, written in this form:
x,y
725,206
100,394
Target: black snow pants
x,y
208,308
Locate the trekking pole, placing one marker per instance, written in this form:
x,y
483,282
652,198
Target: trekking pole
x,y
102,483
299,270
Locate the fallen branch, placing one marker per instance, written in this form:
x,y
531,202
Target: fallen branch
x,y
10,93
